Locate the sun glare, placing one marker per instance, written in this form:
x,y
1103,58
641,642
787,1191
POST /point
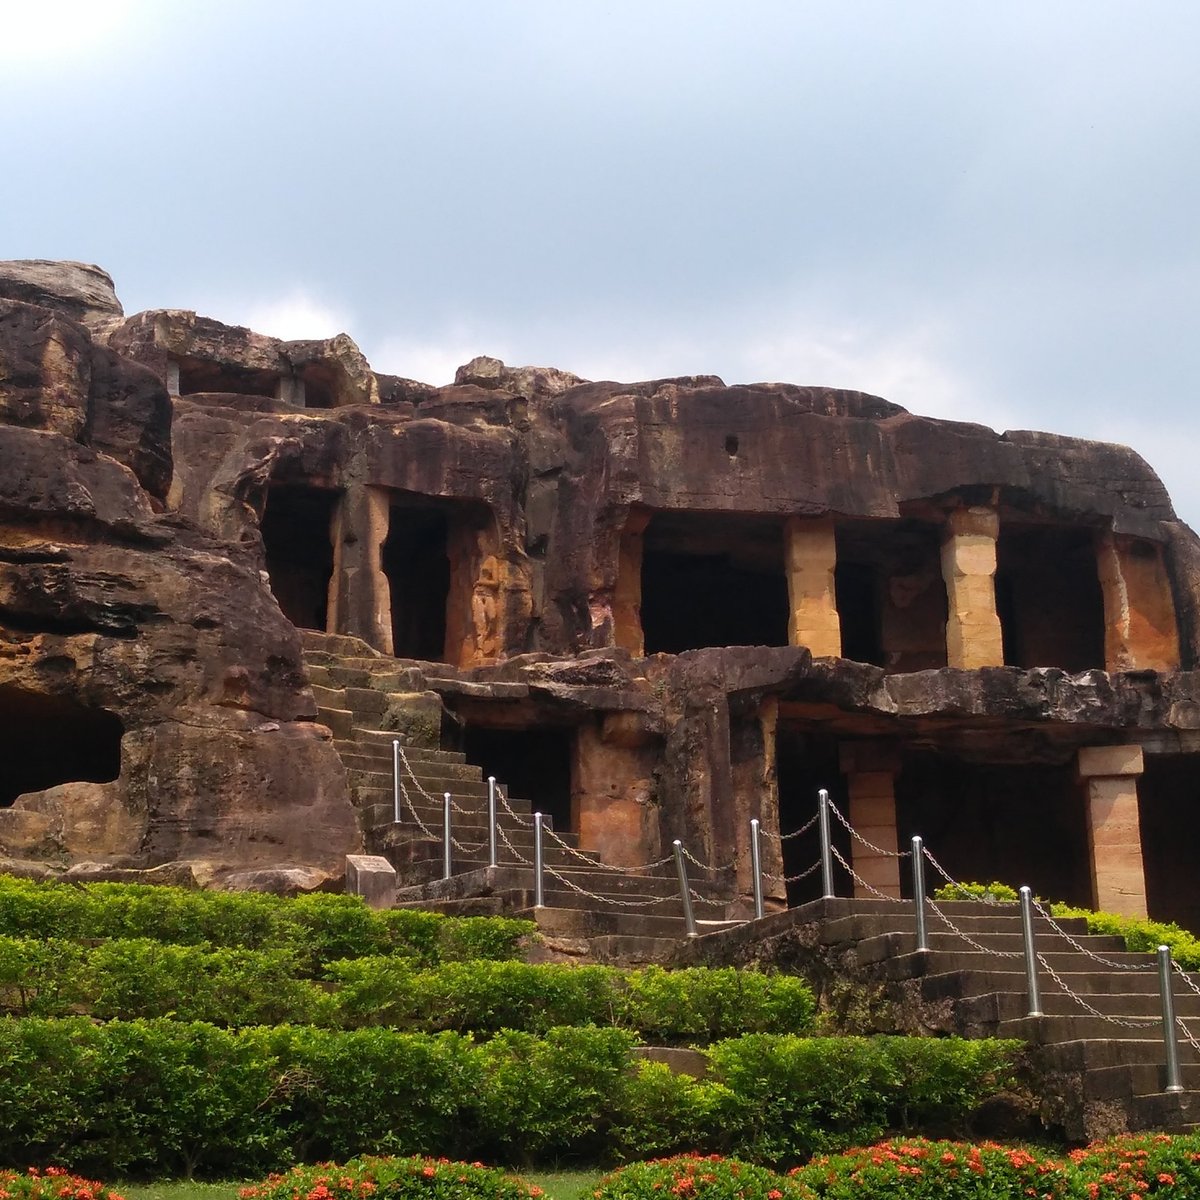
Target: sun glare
x,y
37,33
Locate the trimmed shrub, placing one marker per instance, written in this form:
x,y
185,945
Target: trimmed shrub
x,y
1147,1164
52,1184
922,1170
663,1113
317,928
412,1178
695,1177
796,1097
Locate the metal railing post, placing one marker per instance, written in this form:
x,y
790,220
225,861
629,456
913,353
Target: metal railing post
x,y
756,867
689,917
918,863
491,820
1031,963
826,845
1170,1032
396,780
539,891
446,842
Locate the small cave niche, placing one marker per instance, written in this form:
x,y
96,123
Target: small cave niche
x,y
1048,598
805,762
296,530
320,385
429,561
529,764
1013,823
712,579
204,375
1169,818
890,595
48,740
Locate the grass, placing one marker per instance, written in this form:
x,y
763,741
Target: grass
x,y
558,1185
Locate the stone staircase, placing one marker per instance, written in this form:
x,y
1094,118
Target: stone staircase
x,y
589,908
1105,1072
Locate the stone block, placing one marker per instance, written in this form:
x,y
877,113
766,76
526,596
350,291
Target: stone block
x,y
1109,761
371,877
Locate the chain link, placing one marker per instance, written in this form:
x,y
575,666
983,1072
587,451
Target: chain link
x,y
1108,962
704,866
837,812
857,877
508,808
793,878
1189,1037
512,849
966,937
575,887
783,837
1123,1022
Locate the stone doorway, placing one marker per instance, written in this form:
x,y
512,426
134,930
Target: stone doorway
x,y
712,579
297,536
1048,597
48,740
1169,816
531,764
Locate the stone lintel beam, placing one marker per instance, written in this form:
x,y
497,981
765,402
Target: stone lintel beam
x,y
870,768
1109,776
810,557
973,637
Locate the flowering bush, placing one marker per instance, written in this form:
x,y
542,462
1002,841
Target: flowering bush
x,y
918,1169
51,1184
695,1177
414,1178
1139,1165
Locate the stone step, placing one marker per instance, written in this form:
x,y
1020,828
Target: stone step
x,y
1014,1004
465,827
339,644
888,945
1085,982
435,782
1041,1031
382,680
318,675
422,768
379,749
906,964
580,922
471,796
339,720
860,927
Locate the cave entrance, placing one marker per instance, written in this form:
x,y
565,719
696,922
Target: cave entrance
x,y
1169,817
807,760
297,533
48,740
431,559
529,764
713,579
1048,598
1014,823
204,375
891,598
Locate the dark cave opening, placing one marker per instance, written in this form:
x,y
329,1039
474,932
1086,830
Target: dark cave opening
x,y
530,764
48,740
712,580
416,562
297,535
1169,819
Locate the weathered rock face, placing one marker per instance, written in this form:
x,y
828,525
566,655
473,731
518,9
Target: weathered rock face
x,y
80,291
715,598
153,698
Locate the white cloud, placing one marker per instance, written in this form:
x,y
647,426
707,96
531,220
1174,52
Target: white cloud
x,y
432,361
295,315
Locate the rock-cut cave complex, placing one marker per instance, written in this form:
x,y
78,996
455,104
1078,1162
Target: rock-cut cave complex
x,y
655,610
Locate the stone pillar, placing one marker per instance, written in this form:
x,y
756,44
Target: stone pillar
x,y
290,390
627,595
1140,629
973,637
1109,775
359,594
172,377
810,557
870,769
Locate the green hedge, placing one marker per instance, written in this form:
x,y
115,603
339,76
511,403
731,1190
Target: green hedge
x,y
318,929
132,978
177,1098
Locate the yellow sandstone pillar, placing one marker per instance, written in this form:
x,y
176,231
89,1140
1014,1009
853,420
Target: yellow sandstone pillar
x,y
1109,775
627,595
973,637
1140,629
810,555
870,769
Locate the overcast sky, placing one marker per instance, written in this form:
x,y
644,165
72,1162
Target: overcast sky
x,y
985,212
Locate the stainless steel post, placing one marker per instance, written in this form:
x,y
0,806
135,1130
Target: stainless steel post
x,y
826,845
396,780
918,864
491,820
756,867
446,844
539,891
1170,1032
689,917
1031,963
